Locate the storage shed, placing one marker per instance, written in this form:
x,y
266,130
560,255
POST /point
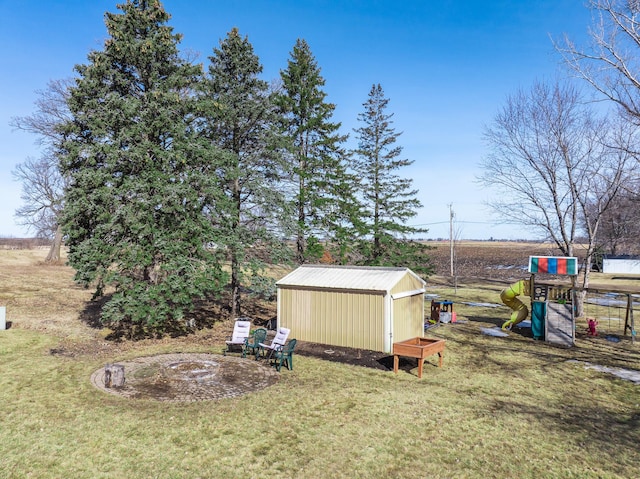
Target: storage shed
x,y
622,264
350,306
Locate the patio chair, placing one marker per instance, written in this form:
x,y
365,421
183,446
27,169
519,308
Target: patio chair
x,y
241,329
253,342
276,343
284,355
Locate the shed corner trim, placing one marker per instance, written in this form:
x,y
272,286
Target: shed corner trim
x,y
404,294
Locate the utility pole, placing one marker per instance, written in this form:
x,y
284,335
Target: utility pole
x,y
451,235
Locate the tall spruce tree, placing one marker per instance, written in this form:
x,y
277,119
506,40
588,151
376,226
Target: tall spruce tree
x,y
139,178
388,199
240,119
317,153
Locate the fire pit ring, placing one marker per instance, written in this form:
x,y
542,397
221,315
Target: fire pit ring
x,y
189,377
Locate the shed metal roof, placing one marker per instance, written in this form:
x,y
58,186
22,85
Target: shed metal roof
x,y
359,278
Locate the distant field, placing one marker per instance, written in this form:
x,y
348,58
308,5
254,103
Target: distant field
x,y
487,259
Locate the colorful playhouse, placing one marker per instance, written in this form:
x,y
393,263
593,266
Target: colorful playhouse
x,y
552,304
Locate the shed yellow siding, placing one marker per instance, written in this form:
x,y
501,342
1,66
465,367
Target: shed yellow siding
x,y
408,317
338,318
407,283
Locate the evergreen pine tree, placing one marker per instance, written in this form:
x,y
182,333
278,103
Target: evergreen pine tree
x,y
388,199
139,179
239,119
318,157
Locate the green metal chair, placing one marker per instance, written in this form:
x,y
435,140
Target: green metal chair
x,y
252,343
284,355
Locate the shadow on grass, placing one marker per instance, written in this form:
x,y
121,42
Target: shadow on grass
x,y
613,434
90,314
203,315
352,356
360,357
605,417
509,354
591,349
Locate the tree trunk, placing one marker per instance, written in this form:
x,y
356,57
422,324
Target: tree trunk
x,y
582,295
235,285
113,376
54,252
236,249
300,240
302,195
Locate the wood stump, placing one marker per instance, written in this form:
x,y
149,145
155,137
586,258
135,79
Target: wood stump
x,y
114,376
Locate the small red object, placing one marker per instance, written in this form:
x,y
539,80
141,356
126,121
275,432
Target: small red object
x,y
591,329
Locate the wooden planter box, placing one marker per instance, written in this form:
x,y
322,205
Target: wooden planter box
x,y
419,348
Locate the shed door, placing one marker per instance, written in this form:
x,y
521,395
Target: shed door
x,y
408,317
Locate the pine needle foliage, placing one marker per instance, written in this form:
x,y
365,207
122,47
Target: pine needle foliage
x,y
238,117
388,198
140,176
317,156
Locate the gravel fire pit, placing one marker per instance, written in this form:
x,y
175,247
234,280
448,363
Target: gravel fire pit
x,y
189,377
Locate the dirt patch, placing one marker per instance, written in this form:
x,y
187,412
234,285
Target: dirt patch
x,y
189,377
487,259
352,356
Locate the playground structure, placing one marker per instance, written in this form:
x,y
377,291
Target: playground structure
x,y
552,312
553,303
609,310
509,296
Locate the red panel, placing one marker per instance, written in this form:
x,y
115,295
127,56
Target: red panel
x,y
562,266
543,267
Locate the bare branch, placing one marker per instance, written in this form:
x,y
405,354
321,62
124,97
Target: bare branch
x,y
558,166
610,64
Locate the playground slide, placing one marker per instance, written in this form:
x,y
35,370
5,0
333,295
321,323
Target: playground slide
x,y
509,296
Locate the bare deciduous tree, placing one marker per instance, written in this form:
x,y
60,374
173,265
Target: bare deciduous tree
x,y
42,197
610,62
42,183
619,230
558,166
51,112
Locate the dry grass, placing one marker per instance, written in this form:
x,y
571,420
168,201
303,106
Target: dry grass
x,y
39,296
499,408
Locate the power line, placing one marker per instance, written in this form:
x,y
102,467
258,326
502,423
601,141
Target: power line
x,y
463,222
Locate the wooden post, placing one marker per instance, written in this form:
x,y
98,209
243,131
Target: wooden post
x,y
628,320
633,328
114,376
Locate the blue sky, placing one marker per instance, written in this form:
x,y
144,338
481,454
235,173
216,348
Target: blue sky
x,y
447,66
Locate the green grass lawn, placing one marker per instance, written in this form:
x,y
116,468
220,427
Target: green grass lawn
x,y
499,408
